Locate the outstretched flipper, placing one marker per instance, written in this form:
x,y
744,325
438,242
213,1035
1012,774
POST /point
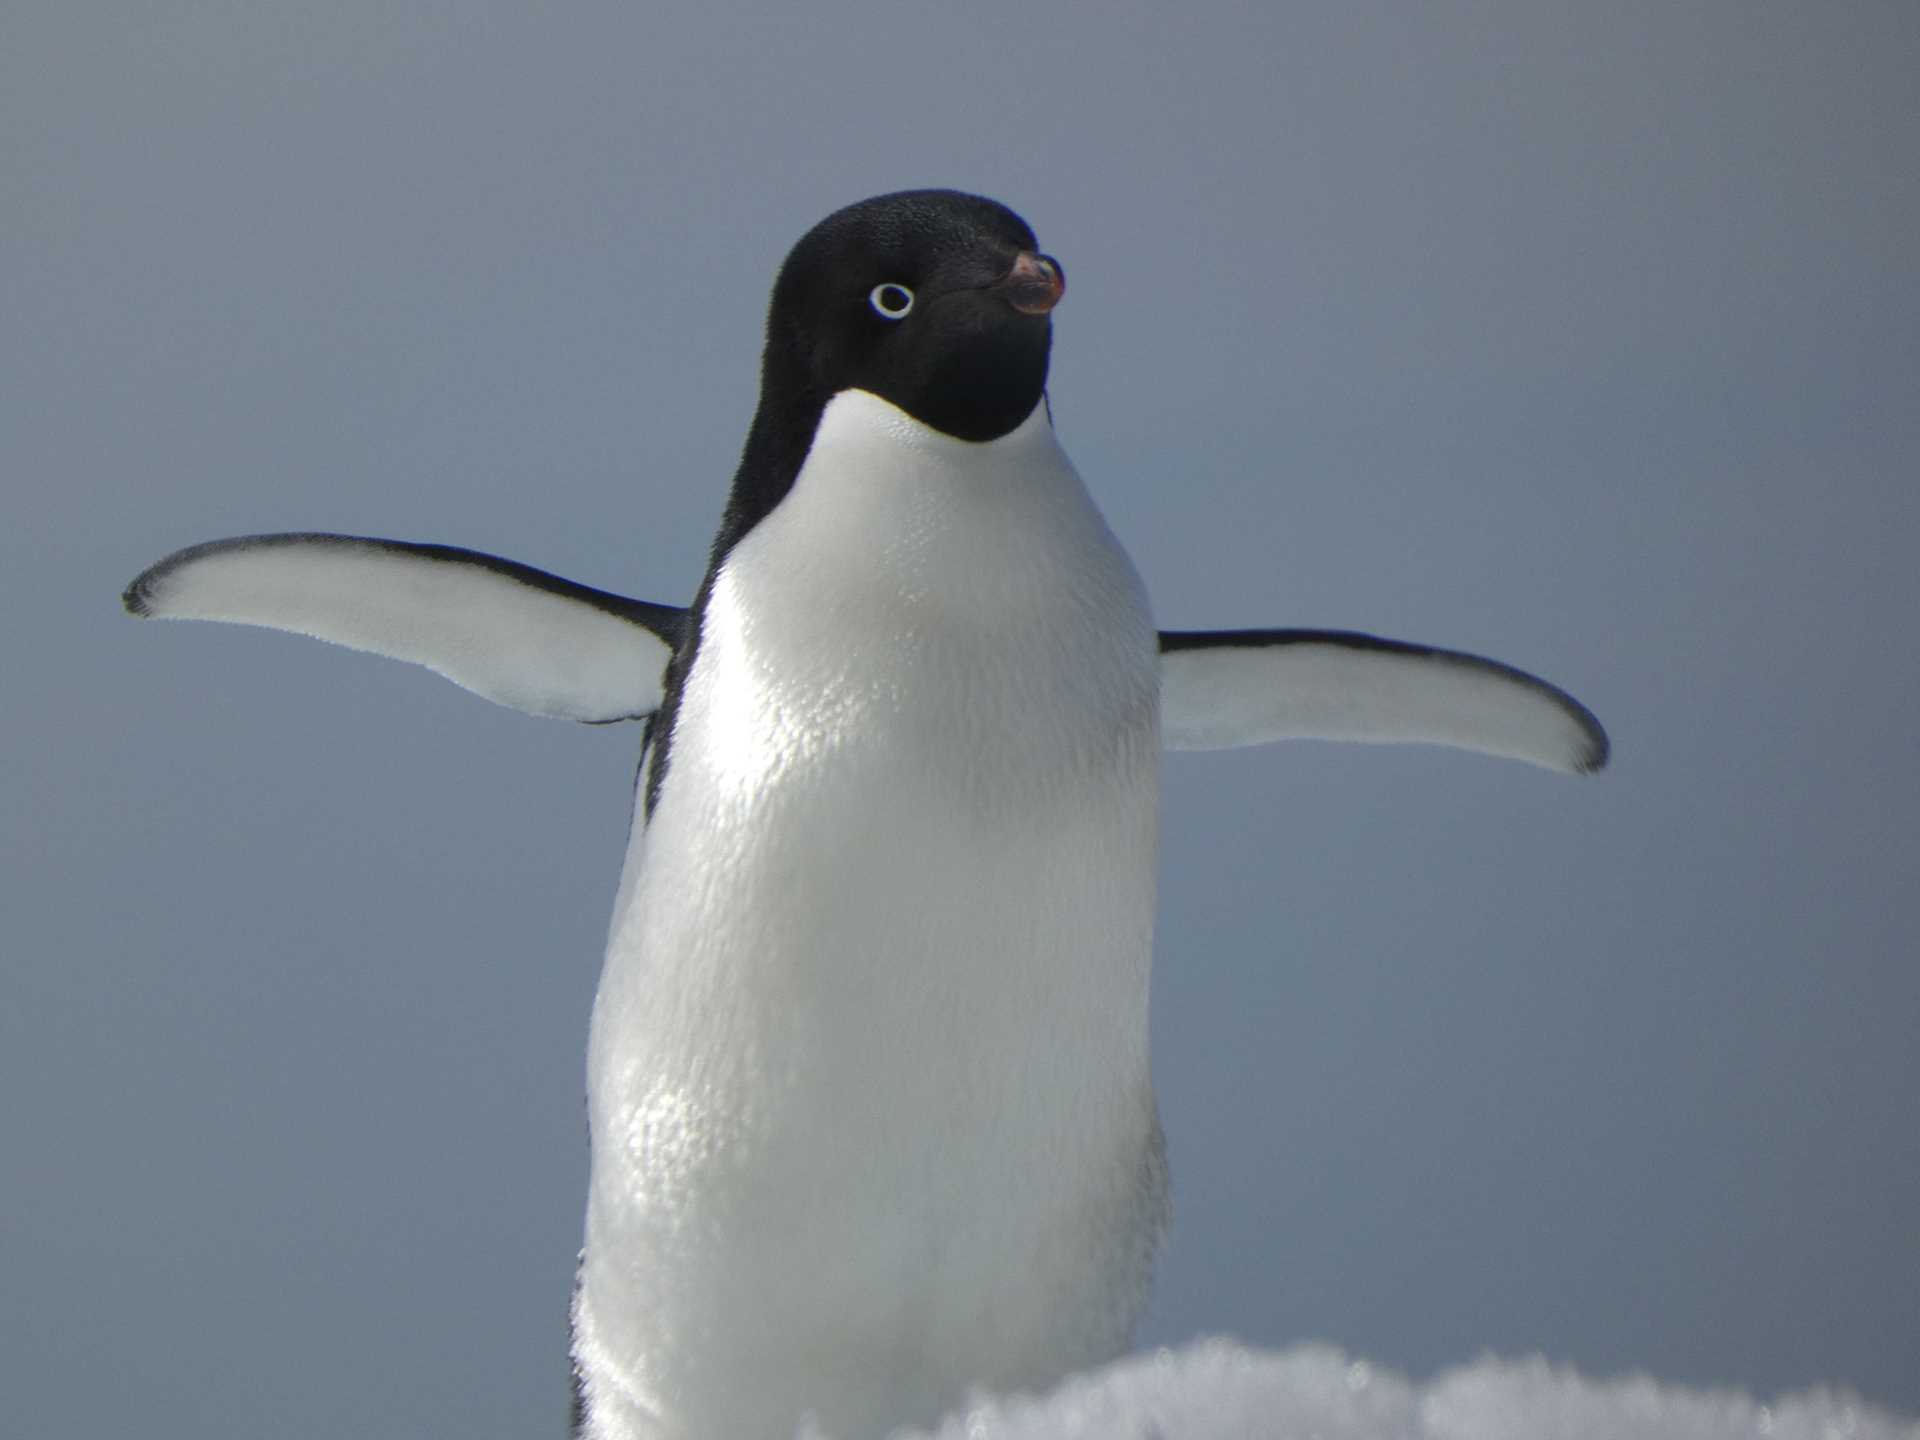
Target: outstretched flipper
x,y
1222,688
506,631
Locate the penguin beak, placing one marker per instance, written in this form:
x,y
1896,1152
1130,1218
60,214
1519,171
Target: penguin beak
x,y
1034,285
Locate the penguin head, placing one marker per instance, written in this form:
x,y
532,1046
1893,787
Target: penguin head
x,y
935,301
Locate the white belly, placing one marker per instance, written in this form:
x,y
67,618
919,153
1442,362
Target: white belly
x,y
871,1110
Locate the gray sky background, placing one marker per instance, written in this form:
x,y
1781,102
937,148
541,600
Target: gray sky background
x,y
1580,335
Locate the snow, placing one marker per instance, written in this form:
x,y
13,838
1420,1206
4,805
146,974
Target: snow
x,y
1222,1390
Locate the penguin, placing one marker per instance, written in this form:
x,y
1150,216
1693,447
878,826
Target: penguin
x,y
871,1110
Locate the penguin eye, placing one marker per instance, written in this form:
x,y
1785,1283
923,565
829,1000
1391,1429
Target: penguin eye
x,y
890,301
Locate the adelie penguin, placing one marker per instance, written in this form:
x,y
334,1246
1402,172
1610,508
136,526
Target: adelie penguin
x,y
871,1110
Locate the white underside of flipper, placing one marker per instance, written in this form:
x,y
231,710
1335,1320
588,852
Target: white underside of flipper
x,y
516,635
1223,689
868,1081
548,646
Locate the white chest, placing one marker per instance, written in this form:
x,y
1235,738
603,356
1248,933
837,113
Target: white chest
x,y
872,1118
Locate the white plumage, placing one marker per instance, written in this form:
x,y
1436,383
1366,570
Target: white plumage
x,y
875,1001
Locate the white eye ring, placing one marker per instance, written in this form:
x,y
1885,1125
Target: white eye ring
x,y
890,301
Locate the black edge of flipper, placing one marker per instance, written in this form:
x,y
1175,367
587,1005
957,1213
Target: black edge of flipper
x,y
668,622
1593,759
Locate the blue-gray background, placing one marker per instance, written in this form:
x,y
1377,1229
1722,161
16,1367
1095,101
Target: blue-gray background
x,y
1580,335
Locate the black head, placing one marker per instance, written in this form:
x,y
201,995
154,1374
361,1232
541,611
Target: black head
x,y
931,299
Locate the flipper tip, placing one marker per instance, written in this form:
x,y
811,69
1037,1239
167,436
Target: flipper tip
x,y
135,599
1598,750
1595,760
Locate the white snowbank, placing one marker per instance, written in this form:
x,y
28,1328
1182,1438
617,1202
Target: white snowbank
x,y
1220,1390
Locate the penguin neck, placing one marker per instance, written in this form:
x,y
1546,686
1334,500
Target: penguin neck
x,y
791,422
777,446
